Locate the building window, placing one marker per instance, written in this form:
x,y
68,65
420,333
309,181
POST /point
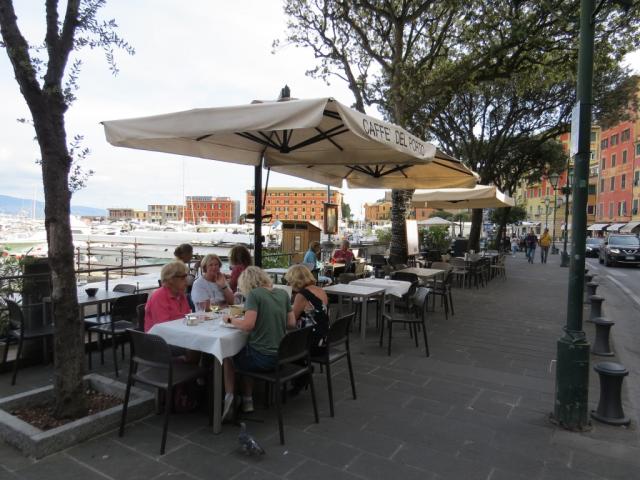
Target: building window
x,y
592,189
624,156
636,178
604,144
638,149
614,139
603,164
625,136
610,209
612,184
635,206
622,208
602,185
593,136
590,209
623,181
613,161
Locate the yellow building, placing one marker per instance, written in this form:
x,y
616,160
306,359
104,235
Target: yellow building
x,y
379,212
539,198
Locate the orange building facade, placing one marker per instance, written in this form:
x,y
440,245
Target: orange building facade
x,y
616,182
296,203
205,209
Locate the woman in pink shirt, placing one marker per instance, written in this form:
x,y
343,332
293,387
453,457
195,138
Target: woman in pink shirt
x,y
240,259
169,302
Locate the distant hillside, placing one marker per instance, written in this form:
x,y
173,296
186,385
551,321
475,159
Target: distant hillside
x,y
24,206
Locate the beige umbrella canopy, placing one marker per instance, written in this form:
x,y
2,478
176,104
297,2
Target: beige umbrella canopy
x,y
318,139
482,196
434,221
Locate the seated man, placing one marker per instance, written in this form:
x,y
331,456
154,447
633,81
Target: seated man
x,y
343,255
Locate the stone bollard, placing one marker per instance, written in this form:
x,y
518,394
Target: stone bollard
x,y
588,277
610,405
596,307
590,290
601,345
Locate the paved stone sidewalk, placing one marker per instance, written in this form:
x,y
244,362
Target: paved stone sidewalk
x,y
476,409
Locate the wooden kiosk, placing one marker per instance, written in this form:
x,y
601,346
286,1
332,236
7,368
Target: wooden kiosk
x,y
296,236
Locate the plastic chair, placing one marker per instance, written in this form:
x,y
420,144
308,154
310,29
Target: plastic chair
x,y
414,317
160,371
294,348
123,316
338,337
20,332
140,316
442,289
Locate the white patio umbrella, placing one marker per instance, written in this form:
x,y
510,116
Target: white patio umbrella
x,y
434,221
481,196
317,139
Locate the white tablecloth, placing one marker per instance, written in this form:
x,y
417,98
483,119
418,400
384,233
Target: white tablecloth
x,y
397,288
209,337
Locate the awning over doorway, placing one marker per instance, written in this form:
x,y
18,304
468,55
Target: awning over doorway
x,y
597,227
630,227
615,227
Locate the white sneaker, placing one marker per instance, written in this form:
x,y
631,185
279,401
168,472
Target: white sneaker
x,y
228,406
247,404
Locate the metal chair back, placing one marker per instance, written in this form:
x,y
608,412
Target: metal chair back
x,y
294,346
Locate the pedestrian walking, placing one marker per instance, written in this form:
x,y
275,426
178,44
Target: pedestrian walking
x,y
545,243
530,242
515,244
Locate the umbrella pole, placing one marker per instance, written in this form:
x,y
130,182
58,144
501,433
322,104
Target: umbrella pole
x,y
257,226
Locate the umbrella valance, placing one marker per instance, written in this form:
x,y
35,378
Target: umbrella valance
x,y
442,170
481,196
318,131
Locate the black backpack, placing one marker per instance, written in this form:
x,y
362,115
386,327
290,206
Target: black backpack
x,y
320,319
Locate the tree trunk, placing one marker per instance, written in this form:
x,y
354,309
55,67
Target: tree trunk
x,y
399,210
476,228
69,347
502,226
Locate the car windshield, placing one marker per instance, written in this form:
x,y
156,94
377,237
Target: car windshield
x,y
593,241
624,240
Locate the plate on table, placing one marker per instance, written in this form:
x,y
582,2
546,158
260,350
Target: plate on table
x,y
227,325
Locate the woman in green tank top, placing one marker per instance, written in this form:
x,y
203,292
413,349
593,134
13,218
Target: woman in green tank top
x,y
267,315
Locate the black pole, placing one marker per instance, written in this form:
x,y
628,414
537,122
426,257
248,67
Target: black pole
x,y
554,249
571,408
564,261
257,226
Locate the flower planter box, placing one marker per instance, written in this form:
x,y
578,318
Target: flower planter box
x,y
37,443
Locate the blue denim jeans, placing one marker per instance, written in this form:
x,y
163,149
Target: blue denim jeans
x,y
531,253
254,361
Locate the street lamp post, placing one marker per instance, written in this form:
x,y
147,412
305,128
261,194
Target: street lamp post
x,y
546,212
553,180
571,406
566,190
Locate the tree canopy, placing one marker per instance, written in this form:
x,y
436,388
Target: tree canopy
x,y
415,61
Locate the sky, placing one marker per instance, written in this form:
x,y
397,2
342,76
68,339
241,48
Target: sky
x,y
197,53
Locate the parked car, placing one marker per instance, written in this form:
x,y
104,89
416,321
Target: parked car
x,y
620,249
593,247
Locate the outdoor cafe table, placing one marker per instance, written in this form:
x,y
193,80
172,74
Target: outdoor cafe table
x,y
349,290
275,272
395,288
102,297
208,337
424,273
